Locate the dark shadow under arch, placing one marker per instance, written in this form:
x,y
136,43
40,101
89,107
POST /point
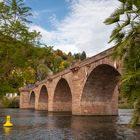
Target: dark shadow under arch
x,y
32,100
62,100
100,88
43,99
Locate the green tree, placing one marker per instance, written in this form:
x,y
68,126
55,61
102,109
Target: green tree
x,y
55,65
77,56
42,71
16,43
23,59
127,21
14,17
127,48
83,55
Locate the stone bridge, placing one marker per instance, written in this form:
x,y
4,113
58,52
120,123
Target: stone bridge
x,y
89,87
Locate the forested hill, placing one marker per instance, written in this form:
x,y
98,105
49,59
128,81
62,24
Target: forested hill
x,y
22,63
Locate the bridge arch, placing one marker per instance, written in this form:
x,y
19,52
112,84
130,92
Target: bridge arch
x,y
100,93
62,100
43,98
32,100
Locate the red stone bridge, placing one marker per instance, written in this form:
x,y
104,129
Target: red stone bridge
x,y
89,87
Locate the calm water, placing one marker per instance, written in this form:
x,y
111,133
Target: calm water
x,y
39,125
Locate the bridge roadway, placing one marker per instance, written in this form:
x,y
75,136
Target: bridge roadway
x,y
89,87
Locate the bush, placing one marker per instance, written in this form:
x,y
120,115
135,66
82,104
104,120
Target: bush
x,y
125,106
10,102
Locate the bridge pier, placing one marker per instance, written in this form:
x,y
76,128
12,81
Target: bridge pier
x,y
24,99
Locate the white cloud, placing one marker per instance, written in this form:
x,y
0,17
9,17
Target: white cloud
x,y
83,29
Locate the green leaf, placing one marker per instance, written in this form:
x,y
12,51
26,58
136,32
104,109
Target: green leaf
x,y
111,20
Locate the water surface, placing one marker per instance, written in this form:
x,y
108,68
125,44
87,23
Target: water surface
x,y
41,125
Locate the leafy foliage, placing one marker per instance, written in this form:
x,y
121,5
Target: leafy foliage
x,y
127,48
13,19
9,102
23,64
23,59
80,56
127,21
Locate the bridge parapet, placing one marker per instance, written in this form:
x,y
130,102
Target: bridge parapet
x,y
97,57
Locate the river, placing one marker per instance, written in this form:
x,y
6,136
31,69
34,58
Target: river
x,y
41,125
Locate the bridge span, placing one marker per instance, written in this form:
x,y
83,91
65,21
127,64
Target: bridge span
x,y
89,87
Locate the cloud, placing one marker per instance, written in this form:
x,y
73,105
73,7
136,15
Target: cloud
x,y
83,28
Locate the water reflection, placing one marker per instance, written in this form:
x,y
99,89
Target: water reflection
x,y
7,130
101,128
39,125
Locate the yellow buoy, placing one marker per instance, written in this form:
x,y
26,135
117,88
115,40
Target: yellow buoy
x,y
8,123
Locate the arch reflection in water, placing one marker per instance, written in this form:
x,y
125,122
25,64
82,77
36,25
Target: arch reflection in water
x,y
40,125
100,128
89,127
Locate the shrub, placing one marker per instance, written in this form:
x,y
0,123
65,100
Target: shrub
x,y
10,102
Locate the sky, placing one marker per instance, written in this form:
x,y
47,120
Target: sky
x,y
73,25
